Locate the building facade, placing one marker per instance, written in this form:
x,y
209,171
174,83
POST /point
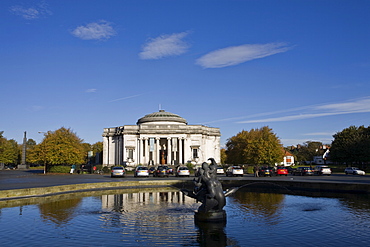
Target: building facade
x,y
160,138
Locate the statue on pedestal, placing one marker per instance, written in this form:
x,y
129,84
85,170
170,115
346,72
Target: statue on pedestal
x,y
208,190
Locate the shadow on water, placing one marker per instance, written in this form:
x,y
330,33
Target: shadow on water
x,y
213,235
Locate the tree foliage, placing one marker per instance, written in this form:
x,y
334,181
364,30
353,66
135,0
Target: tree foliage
x,y
351,145
306,151
257,146
223,156
60,147
9,150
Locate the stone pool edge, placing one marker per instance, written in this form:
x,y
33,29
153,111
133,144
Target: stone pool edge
x,y
288,185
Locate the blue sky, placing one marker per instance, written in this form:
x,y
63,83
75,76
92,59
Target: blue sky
x,y
300,67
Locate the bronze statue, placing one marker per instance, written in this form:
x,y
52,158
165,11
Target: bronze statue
x,y
208,190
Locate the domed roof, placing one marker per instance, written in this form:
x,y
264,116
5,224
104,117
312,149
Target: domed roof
x,y
161,116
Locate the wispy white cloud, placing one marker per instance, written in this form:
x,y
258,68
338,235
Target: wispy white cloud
x,y
165,46
355,106
360,105
31,13
95,31
91,90
319,134
234,55
128,97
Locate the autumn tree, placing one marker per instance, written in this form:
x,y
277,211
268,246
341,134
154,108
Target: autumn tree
x,y
257,146
9,150
223,156
351,145
60,147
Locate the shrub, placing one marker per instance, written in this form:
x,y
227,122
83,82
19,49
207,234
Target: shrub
x,y
106,169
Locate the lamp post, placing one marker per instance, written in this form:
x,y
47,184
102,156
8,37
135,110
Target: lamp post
x,y
43,152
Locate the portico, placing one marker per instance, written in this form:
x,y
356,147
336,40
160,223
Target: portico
x,y
160,138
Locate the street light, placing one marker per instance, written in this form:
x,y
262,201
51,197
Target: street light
x,y
43,152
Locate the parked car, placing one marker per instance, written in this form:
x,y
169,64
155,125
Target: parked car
x,y
353,171
170,170
141,171
118,171
151,170
220,170
303,171
160,171
322,170
234,171
182,171
291,170
265,171
280,170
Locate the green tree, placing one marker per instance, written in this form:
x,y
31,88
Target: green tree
x,y
257,146
60,147
351,145
9,151
306,151
97,149
31,144
223,156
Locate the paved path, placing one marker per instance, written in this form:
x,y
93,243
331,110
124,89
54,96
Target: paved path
x,y
21,179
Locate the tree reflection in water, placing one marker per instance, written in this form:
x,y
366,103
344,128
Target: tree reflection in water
x,y
59,212
267,206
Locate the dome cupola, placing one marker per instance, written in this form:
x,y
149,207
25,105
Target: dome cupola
x,y
161,117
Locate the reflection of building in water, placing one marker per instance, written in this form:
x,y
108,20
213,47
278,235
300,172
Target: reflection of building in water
x,y
138,201
160,138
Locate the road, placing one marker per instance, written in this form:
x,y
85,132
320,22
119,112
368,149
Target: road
x,y
20,179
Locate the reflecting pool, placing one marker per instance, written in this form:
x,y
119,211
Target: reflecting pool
x,y
164,217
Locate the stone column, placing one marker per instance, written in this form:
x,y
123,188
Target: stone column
x,y
181,159
111,151
187,149
169,150
140,151
157,150
105,151
147,151
175,149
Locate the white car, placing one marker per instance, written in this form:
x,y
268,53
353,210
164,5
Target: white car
x,y
141,171
118,171
220,170
354,171
234,171
182,171
322,170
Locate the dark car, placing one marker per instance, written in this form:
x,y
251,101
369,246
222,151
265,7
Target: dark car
x,y
170,170
291,170
265,171
160,171
303,171
151,170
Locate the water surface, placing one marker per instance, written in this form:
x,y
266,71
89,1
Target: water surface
x,y
164,217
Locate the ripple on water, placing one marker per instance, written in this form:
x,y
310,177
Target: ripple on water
x,y
252,219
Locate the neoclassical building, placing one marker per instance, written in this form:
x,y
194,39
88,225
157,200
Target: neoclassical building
x,y
160,138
